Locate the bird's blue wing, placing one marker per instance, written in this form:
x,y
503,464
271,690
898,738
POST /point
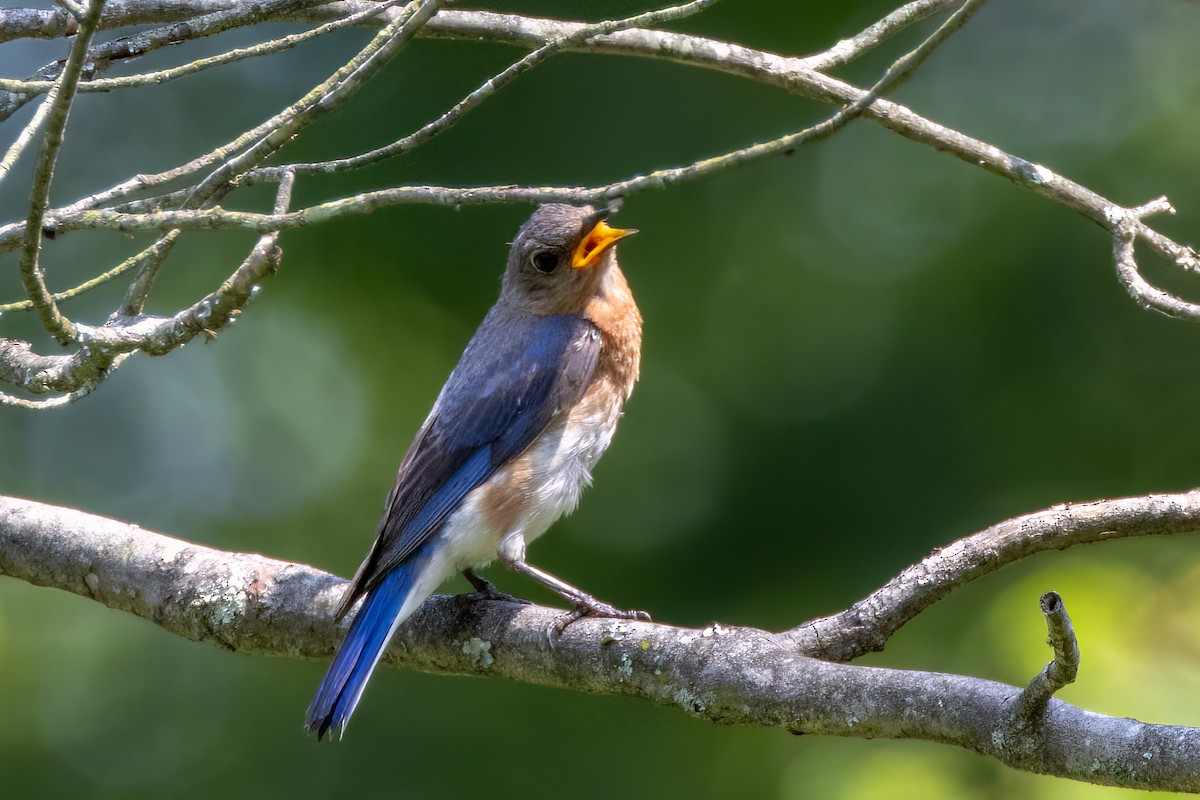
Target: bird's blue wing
x,y
514,378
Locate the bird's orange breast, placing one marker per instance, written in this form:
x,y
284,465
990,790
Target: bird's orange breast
x,y
613,310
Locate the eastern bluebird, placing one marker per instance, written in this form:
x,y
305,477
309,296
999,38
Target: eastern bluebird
x,y
509,444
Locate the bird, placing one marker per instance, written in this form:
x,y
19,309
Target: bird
x,y
508,446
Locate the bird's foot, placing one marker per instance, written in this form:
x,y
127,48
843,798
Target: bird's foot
x,y
486,590
588,606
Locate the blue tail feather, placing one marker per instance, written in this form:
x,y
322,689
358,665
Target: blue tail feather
x,y
354,661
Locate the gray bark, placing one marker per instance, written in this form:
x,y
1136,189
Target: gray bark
x,y
254,604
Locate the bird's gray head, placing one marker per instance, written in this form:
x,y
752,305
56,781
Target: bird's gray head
x,y
560,258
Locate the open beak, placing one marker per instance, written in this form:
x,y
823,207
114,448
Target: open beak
x,y
599,239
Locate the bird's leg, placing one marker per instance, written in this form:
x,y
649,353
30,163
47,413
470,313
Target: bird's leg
x,y
486,590
512,553
481,584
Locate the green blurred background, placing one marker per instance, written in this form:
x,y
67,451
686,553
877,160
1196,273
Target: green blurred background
x,y
852,355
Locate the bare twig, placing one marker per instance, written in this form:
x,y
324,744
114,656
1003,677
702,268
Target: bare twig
x,y
867,625
101,56
159,77
161,213
486,90
28,133
87,388
216,218
102,350
148,263
222,306
272,133
280,128
563,32
1127,223
115,337
321,99
877,33
133,262
897,73
795,76
101,347
788,73
213,18
1031,705
56,123
254,604
905,66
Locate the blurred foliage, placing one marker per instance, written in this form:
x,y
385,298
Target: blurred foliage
x,y
852,355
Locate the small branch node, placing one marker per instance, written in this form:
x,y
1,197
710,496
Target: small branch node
x,y
1031,703
1127,227
1159,205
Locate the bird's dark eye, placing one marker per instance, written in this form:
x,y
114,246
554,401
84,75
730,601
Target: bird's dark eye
x,y
545,261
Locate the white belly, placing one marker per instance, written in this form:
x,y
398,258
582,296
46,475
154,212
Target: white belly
x,y
543,483
561,465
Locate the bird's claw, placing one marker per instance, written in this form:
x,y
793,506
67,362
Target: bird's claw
x,y
591,607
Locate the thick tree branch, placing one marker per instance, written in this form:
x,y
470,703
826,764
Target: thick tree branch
x,y
254,604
